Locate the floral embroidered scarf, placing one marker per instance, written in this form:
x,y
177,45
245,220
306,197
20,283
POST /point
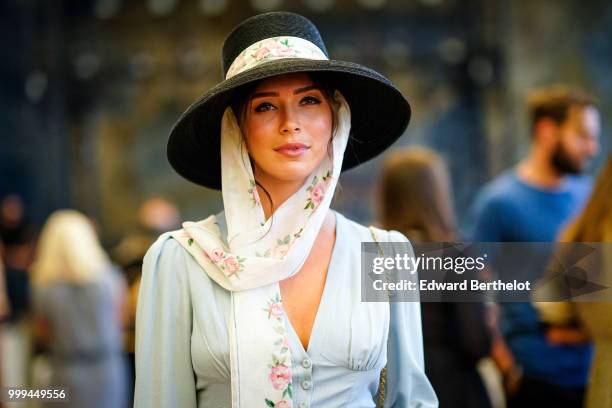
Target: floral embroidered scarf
x,y
256,255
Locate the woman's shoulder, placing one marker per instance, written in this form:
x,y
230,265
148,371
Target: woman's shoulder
x,y
167,246
167,258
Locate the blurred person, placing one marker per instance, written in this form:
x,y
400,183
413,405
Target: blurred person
x,y
18,238
78,295
158,215
259,306
129,254
4,302
155,216
12,219
4,308
415,199
531,203
593,225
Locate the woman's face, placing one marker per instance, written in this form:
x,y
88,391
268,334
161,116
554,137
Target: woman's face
x,y
287,127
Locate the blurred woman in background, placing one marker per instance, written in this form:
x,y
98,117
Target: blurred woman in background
x,y
416,200
593,225
78,297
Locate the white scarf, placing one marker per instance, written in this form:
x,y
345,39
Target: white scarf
x,y
258,254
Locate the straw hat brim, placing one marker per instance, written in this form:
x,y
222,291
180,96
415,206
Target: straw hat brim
x,y
379,116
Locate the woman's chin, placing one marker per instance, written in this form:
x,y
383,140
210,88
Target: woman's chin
x,y
292,172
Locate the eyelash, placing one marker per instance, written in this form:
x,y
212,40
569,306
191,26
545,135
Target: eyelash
x,y
307,100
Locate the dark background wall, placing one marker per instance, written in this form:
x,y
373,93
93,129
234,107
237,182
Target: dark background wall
x,y
90,88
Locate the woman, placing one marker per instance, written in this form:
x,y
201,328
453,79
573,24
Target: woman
x,y
78,297
260,306
415,199
593,225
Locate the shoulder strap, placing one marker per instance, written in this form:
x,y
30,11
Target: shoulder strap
x,y
383,373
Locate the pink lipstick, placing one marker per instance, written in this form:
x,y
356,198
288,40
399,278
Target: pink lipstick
x,y
292,149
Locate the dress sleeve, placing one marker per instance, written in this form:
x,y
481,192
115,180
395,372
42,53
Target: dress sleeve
x,y
164,371
407,385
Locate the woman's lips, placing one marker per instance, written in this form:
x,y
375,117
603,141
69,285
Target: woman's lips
x,y
292,149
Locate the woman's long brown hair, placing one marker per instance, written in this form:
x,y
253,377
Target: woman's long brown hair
x,y
415,196
594,224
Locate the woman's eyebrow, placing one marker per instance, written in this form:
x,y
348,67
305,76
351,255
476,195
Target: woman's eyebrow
x,y
306,88
295,92
263,94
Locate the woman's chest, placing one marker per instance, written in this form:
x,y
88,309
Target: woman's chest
x,y
301,294
346,332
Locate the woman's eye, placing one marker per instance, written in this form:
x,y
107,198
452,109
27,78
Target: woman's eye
x,y
310,100
262,107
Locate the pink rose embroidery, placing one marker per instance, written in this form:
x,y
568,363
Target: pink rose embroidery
x,y
283,52
317,193
282,404
237,66
253,192
276,310
215,255
255,196
231,265
280,376
280,49
261,53
281,250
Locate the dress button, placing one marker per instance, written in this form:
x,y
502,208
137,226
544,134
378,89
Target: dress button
x,y
306,363
302,405
306,384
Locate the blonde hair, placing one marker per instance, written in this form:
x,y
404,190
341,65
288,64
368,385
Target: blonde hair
x,y
68,251
594,224
415,195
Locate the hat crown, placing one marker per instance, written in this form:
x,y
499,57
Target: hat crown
x,y
268,25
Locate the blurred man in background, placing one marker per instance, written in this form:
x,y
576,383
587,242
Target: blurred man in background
x,y
532,202
155,216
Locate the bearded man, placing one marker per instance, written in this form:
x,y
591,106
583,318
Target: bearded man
x,y
531,203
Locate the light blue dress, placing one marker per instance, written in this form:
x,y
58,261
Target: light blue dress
x,y
182,354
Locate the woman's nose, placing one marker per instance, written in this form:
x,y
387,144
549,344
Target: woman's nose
x,y
289,124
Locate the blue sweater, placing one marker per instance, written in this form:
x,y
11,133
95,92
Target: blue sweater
x,y
510,210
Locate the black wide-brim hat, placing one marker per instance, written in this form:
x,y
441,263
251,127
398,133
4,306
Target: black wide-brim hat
x,y
379,111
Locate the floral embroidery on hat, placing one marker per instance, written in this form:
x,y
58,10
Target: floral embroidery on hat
x,y
273,49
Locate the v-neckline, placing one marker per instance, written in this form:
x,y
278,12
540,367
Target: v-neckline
x,y
313,332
